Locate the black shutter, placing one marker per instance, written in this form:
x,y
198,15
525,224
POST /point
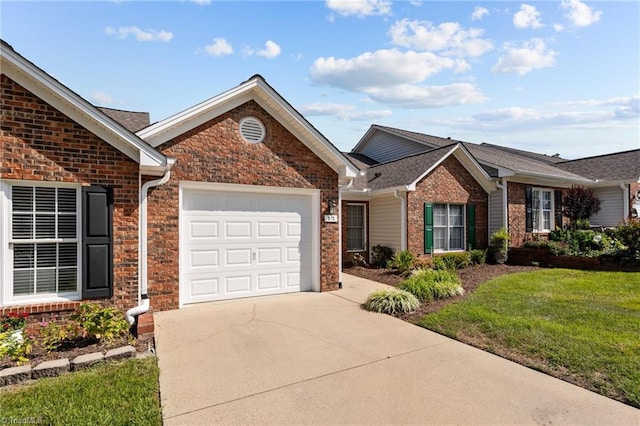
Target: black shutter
x,y
528,200
558,207
97,242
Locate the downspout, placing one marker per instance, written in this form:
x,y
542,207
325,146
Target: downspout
x,y
143,299
626,197
505,207
340,189
403,218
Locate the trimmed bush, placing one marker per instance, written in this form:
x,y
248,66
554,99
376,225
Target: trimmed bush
x,y
478,257
452,261
499,247
381,255
428,284
391,301
629,235
402,261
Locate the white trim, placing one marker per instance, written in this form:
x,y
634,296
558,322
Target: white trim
x,y
314,198
625,202
552,218
6,242
448,228
403,218
364,227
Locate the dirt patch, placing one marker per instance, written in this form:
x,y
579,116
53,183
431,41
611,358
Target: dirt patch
x,y
471,278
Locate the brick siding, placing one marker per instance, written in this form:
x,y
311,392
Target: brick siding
x,y
40,143
215,152
517,214
450,182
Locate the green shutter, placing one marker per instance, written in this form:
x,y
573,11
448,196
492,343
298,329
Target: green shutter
x,y
471,226
428,228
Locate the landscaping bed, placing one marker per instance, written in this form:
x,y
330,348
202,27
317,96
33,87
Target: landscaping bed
x,y
471,277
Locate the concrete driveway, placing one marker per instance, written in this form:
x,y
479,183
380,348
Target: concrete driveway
x,y
318,358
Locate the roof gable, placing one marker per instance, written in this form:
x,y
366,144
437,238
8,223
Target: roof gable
x,y
256,89
619,166
405,173
47,88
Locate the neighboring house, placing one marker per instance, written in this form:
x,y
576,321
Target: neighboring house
x,y
226,199
471,194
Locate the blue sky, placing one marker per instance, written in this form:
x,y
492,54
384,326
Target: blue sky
x,y
546,76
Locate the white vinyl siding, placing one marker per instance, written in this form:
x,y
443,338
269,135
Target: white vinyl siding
x,y
386,222
44,243
384,147
611,207
496,211
356,227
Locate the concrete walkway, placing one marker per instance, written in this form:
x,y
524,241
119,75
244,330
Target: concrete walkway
x,y
318,358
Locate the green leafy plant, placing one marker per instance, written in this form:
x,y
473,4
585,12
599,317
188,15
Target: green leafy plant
x,y
477,256
402,261
100,323
452,261
428,285
381,255
628,235
15,347
499,245
391,301
53,336
13,321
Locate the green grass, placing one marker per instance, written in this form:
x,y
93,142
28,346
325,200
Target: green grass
x,y
581,326
115,393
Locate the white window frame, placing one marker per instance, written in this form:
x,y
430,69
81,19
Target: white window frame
x,y
364,228
447,227
539,226
7,246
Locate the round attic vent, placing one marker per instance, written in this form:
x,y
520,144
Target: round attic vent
x,y
252,130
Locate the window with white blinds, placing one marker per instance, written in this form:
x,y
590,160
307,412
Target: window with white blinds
x,y
45,240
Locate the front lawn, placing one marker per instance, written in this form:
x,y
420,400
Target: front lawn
x,y
115,393
581,326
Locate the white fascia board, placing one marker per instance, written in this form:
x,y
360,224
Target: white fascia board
x,y
392,190
76,108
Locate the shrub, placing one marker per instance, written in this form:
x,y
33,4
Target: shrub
x,y
14,347
477,256
423,262
428,285
556,248
402,261
629,235
13,321
579,203
381,255
100,323
498,244
54,336
452,261
391,301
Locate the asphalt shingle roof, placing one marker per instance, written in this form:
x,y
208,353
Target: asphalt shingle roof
x,y
398,172
620,166
130,120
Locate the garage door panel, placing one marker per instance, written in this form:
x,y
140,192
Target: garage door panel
x,y
244,244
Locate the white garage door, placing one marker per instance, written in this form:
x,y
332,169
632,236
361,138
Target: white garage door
x,y
240,244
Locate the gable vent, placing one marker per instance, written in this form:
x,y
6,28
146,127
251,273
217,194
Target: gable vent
x,y
252,130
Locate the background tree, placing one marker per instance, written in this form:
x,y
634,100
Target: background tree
x,y
579,204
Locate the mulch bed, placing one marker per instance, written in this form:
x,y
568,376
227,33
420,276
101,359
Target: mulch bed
x,y
471,278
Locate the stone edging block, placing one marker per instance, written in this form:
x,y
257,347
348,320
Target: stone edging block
x,y
85,361
52,368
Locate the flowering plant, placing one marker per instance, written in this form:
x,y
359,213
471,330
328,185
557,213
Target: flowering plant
x,y
13,321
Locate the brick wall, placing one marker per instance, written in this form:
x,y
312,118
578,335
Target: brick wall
x,y
215,152
40,143
517,214
450,182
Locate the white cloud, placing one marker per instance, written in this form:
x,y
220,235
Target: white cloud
x,y
219,47
270,51
103,98
449,38
343,112
479,13
378,69
579,14
529,56
527,17
623,108
558,27
360,8
414,96
140,35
